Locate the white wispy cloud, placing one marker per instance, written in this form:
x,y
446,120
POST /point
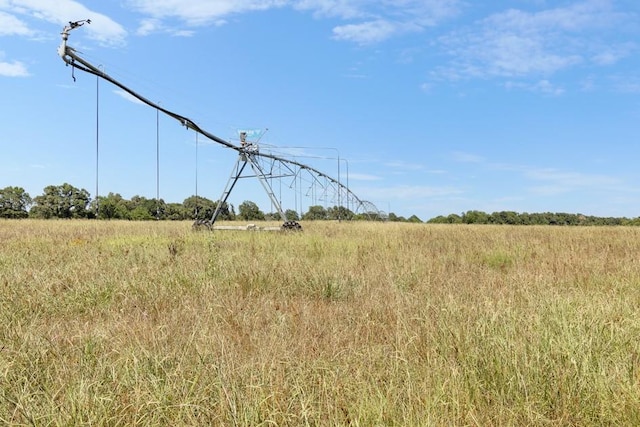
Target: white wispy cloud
x,y
128,96
363,177
400,168
367,22
202,12
541,86
10,25
626,84
610,55
383,20
345,9
148,26
517,43
13,69
548,181
59,12
555,181
365,32
463,157
405,165
410,192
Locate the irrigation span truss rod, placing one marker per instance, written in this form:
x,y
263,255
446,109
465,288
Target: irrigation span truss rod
x,y
247,152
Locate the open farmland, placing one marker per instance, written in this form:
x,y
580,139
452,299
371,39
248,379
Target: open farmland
x,y
129,323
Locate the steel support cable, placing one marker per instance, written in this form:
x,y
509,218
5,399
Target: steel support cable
x,y
85,66
185,121
69,56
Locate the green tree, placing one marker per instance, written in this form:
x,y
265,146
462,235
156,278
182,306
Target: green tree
x,y
414,219
339,212
61,201
226,212
634,221
273,216
314,213
504,217
113,206
14,202
155,208
249,211
395,218
291,215
199,207
440,219
177,212
475,217
141,213
454,219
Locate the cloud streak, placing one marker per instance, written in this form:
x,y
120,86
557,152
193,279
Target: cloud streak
x,y
544,181
367,22
10,25
517,43
127,96
365,32
13,69
410,192
17,15
201,12
555,182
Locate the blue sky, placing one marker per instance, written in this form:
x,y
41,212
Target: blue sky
x,y
434,106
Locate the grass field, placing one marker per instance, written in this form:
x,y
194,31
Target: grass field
x,y
363,324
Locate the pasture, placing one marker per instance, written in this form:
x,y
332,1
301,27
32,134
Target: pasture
x,y
362,324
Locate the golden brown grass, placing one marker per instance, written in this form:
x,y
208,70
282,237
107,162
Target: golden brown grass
x,y
122,323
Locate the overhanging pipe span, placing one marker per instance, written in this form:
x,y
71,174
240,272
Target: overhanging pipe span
x,y
70,56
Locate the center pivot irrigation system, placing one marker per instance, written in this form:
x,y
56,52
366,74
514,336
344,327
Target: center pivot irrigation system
x,y
266,166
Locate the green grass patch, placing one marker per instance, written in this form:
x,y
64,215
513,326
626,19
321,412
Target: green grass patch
x,y
150,323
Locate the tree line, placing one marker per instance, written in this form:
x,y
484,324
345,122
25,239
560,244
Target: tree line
x,y
515,218
66,202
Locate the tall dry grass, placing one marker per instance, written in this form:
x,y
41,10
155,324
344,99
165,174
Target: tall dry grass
x,y
121,323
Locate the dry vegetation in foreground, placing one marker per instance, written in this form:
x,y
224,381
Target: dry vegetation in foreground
x,y
123,323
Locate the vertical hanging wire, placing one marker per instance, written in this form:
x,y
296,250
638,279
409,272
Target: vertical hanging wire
x,y
300,189
295,192
196,176
158,163
97,140
339,189
273,207
280,183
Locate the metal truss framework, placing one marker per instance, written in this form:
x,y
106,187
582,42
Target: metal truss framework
x,y
303,179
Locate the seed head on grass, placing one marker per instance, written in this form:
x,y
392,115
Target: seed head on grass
x,y
350,323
